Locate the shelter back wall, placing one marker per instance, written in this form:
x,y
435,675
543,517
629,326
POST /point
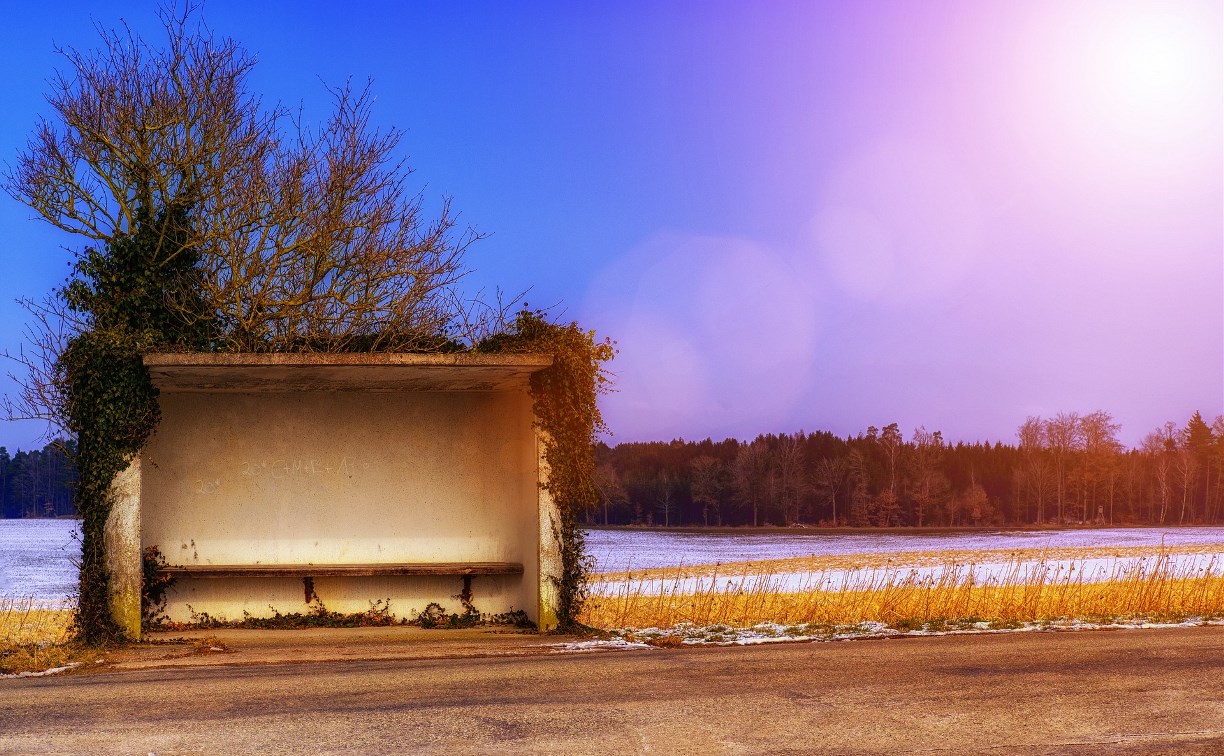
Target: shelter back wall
x,y
344,477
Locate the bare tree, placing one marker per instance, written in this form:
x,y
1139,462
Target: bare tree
x,y
1160,447
975,503
885,509
924,469
610,488
708,482
1062,437
891,442
1187,468
1031,435
860,496
830,476
1099,438
664,490
792,484
751,471
308,239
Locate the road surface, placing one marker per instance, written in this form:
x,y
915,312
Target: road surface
x,y
1130,691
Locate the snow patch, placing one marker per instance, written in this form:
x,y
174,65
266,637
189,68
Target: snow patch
x,y
640,639
625,550
599,644
43,673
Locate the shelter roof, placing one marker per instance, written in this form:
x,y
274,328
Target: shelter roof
x,y
365,371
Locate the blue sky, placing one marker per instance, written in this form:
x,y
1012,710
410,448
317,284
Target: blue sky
x,y
789,215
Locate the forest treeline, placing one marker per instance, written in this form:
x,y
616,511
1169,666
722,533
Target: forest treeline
x,y
38,483
1066,469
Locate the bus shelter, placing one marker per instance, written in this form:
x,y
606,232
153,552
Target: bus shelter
x,y
275,482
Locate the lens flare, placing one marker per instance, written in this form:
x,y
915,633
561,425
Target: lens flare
x,y
1145,69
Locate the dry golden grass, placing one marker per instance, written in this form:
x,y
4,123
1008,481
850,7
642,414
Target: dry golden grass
x,y
33,635
1155,588
28,621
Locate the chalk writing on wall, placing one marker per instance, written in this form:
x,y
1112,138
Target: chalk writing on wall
x,y
302,467
343,468
204,487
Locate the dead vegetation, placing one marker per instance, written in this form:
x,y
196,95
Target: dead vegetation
x,y
1155,587
34,636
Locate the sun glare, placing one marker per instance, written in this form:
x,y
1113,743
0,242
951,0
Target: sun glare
x,y
1145,69
1113,96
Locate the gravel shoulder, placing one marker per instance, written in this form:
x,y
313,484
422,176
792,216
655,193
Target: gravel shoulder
x,y
230,647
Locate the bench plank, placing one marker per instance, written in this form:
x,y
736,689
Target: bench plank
x,y
341,570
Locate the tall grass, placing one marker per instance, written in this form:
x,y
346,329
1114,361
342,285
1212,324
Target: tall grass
x,y
1156,587
34,635
26,620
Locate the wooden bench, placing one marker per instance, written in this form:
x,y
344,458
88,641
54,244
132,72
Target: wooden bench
x,y
341,570
308,572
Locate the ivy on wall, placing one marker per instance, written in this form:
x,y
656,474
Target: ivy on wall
x,y
134,296
565,401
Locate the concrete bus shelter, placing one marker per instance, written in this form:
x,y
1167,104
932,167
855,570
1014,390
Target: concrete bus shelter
x,y
274,480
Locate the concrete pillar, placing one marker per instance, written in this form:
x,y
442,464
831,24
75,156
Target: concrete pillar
x,y
123,559
550,548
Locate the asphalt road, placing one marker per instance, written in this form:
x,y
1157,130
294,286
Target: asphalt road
x,y
1133,691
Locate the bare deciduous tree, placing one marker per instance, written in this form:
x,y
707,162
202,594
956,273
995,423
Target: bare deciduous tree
x,y
891,443
610,488
1160,447
665,488
1062,437
829,476
860,496
1187,468
1099,436
708,482
750,472
308,238
924,464
792,483
1036,473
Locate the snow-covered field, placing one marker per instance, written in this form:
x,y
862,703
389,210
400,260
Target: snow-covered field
x,y
1054,571
38,559
623,550
627,551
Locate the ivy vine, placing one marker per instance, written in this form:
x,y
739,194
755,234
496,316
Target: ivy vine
x,y
565,401
134,296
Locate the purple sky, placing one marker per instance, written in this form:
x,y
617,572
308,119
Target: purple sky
x,y
808,215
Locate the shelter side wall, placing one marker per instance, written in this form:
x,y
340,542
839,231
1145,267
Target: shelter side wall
x,y
343,478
